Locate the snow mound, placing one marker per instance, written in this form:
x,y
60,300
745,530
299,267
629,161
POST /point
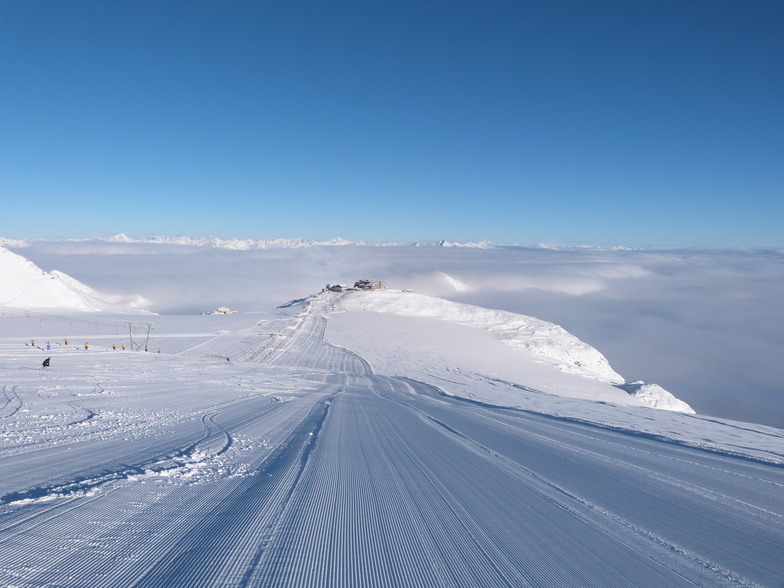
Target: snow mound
x,y
655,396
547,340
24,285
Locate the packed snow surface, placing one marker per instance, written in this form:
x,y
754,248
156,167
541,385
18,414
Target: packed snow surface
x,y
333,443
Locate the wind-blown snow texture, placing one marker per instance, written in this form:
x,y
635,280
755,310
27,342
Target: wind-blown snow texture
x,y
301,462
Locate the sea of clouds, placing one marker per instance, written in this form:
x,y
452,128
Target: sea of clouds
x,y
708,325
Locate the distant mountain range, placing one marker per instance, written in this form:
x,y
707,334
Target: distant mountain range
x,y
244,244
298,242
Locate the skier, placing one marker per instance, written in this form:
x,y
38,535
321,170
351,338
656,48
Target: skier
x,y
114,346
86,346
48,347
66,341
46,363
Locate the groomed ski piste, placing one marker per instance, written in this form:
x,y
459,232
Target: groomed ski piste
x,y
365,439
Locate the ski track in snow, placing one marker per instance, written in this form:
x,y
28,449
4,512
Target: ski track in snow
x,y
295,464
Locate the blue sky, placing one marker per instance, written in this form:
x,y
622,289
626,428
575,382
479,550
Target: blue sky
x,y
600,122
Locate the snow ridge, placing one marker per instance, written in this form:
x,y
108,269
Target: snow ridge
x,y
287,243
549,342
276,243
24,285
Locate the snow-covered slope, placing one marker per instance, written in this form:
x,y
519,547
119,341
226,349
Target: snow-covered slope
x,y
537,347
391,460
23,285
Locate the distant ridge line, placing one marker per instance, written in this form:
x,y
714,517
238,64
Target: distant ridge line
x,y
244,244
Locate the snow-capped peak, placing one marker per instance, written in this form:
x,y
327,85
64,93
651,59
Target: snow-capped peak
x,y
120,238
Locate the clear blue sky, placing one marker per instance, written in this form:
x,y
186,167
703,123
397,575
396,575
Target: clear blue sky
x,y
657,122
